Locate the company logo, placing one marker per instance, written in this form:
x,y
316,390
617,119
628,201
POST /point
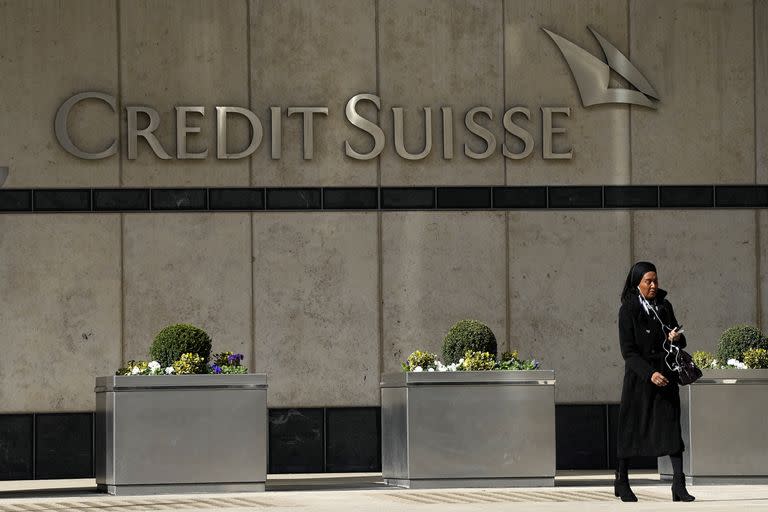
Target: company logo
x,y
592,74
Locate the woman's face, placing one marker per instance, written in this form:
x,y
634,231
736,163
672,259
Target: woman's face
x,y
649,285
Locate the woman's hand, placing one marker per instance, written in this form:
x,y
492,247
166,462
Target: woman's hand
x,y
673,335
658,379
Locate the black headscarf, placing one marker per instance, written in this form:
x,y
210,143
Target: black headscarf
x,y
634,277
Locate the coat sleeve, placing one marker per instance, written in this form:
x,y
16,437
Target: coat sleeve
x,y
681,342
629,349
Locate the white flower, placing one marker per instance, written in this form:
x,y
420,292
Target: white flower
x,y
169,370
154,365
418,369
461,361
135,370
452,367
736,363
430,369
714,363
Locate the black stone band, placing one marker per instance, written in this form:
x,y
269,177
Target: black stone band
x,y
383,198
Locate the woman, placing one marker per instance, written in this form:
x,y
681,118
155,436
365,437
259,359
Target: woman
x,y
649,416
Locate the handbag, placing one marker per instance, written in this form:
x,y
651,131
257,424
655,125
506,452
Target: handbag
x,y
682,362
683,365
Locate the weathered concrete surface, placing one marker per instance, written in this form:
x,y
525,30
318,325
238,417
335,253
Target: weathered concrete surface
x,y
39,42
440,53
761,85
185,54
437,269
566,271
59,309
706,260
699,56
315,282
318,53
537,75
188,268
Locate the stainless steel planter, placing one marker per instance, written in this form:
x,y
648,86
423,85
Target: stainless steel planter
x,y
468,429
724,417
176,434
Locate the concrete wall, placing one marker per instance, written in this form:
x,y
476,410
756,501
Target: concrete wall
x,y
326,301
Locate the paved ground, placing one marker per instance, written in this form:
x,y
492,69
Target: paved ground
x,y
574,491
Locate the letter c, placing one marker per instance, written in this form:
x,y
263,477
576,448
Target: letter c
x,y
62,134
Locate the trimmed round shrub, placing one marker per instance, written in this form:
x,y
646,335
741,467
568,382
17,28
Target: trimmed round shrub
x,y
736,340
468,335
178,339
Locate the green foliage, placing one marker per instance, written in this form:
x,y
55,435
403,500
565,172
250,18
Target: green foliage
x,y
419,358
189,363
703,359
230,369
512,361
756,358
478,361
737,339
468,335
175,340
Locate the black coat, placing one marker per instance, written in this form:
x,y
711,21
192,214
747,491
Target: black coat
x,y
649,416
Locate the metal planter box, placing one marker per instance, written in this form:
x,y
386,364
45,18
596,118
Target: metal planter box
x,y
724,418
468,429
181,433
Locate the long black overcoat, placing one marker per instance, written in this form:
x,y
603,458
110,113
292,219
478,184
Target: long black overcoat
x,y
649,416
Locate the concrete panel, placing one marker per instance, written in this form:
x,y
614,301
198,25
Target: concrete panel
x,y
188,268
707,262
698,55
763,277
315,308
439,268
318,53
761,84
59,309
185,53
39,42
439,53
538,76
566,272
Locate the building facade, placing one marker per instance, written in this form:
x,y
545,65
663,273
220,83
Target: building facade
x,y
327,269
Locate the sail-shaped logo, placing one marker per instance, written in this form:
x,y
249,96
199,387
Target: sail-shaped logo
x,y
592,74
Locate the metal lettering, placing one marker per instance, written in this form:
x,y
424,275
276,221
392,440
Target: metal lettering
x,y
480,131
62,133
400,145
277,132
181,133
364,124
447,133
257,132
147,133
519,132
309,115
549,131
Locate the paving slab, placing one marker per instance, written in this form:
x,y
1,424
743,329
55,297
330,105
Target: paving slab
x,y
574,490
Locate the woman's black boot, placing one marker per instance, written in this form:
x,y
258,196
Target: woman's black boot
x,y
622,489
679,492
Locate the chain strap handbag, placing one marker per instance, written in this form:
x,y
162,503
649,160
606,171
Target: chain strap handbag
x,y
677,359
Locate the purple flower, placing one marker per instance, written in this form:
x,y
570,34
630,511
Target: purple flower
x,y
215,368
235,359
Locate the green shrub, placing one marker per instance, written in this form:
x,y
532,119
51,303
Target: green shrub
x,y
756,358
178,339
468,335
419,358
512,361
737,339
703,359
189,363
478,361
